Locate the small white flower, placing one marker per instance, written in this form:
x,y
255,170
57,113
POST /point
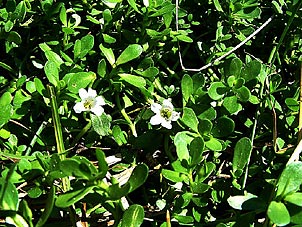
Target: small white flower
x,y
89,102
164,114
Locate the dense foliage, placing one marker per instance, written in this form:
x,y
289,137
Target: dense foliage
x,y
150,113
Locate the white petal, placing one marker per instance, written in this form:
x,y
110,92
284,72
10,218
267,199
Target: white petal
x,y
167,103
97,110
156,120
83,93
100,101
79,107
91,92
175,116
166,124
155,107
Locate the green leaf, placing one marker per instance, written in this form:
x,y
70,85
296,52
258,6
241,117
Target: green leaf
x,y
133,216
277,7
108,54
14,37
78,80
172,175
8,196
231,104
39,86
20,11
217,90
237,202
195,150
138,176
103,165
79,167
54,57
132,3
101,71
205,127
278,213
131,52
184,219
34,192
150,72
83,46
52,73
116,191
243,94
71,197
233,68
108,39
63,16
118,135
205,171
292,104
200,188
101,124
189,119
186,87
181,141
6,109
251,70
218,6
208,114
223,127
242,153
213,144
290,179
165,9
136,81
184,38
295,198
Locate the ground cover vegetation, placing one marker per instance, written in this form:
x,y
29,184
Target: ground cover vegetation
x,y
150,113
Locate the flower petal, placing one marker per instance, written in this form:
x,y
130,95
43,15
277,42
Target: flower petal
x,y
83,93
166,124
167,104
91,92
155,107
79,107
97,110
100,101
156,120
175,116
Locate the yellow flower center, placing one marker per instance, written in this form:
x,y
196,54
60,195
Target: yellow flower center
x,y
89,103
166,113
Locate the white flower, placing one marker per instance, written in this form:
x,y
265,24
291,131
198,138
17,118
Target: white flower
x,y
89,102
164,114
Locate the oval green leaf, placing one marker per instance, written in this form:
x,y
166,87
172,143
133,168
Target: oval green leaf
x,y
242,153
189,119
108,54
133,216
278,213
217,90
136,81
131,52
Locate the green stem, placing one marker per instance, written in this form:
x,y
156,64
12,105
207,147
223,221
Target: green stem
x,y
82,132
58,130
125,115
36,136
56,122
